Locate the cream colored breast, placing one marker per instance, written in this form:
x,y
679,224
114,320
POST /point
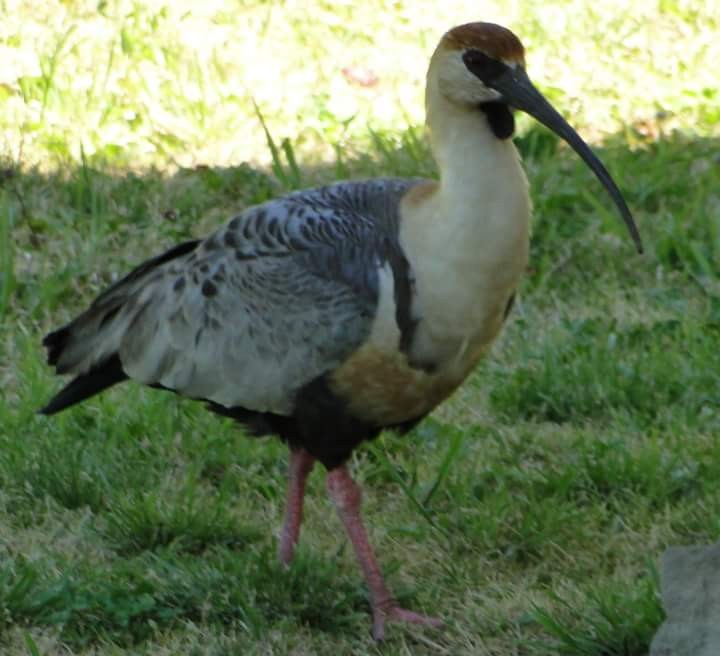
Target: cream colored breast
x,y
468,258
380,385
378,382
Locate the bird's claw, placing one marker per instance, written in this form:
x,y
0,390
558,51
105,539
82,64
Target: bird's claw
x,y
395,613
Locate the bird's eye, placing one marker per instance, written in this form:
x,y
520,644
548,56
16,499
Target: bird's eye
x,y
483,66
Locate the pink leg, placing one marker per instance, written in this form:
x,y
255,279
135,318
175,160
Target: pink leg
x,y
301,464
347,496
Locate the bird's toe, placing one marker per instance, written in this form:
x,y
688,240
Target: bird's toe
x,y
398,614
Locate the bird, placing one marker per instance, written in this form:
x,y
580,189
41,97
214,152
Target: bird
x,y
330,314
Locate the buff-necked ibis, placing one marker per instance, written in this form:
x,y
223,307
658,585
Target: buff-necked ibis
x,y
331,314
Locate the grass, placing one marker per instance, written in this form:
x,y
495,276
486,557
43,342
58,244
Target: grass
x,y
530,510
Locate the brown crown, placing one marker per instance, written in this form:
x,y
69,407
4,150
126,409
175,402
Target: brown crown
x,y
494,40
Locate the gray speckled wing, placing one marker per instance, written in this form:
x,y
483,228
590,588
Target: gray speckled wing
x,y
280,295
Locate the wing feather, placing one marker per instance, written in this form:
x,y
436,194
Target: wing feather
x,y
283,293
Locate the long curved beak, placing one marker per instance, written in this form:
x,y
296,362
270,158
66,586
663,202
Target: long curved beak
x,y
519,92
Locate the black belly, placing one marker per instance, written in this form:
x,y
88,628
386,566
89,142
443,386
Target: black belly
x,y
321,424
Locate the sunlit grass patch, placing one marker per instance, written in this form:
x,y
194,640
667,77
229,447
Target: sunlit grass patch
x,y
130,83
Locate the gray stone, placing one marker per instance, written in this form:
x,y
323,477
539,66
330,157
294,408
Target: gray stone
x,y
690,587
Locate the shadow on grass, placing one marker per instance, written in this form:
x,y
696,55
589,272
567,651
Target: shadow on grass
x,y
127,601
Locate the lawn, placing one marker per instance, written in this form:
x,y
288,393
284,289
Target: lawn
x,y
529,511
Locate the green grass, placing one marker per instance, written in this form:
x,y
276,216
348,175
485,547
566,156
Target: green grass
x,y
529,510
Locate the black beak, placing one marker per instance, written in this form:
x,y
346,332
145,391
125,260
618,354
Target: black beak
x,y
519,92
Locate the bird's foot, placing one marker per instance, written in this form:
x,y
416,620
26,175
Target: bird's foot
x,y
395,613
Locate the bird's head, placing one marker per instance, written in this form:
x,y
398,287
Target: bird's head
x,y
470,56
481,66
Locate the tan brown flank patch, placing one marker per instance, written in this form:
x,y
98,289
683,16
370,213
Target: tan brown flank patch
x,y
420,192
384,390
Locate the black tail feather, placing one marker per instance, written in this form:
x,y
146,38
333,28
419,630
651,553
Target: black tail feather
x,y
89,326
54,342
95,381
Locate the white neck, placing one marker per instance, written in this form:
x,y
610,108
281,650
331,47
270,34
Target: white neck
x,y
479,214
483,188
467,239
